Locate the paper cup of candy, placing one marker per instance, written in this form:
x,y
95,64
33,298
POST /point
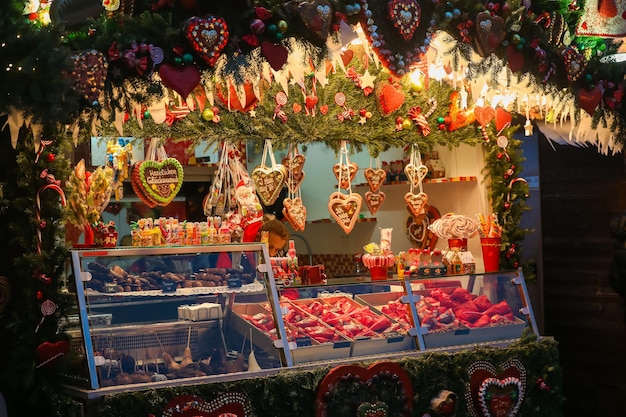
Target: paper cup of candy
x,y
379,273
491,253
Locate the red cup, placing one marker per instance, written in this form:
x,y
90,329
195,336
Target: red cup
x,y
379,273
491,253
460,244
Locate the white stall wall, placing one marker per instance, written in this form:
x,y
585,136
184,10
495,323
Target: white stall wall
x,y
461,197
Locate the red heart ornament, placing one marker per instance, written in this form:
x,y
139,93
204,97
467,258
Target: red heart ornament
x,y
48,353
232,404
345,209
503,118
276,55
493,394
344,376
346,56
182,79
324,109
490,32
374,200
484,115
514,58
317,16
588,100
311,101
390,98
207,36
405,16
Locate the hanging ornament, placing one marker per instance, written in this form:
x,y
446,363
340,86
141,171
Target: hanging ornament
x,y
507,203
345,208
182,79
347,113
502,143
490,32
317,16
42,146
275,54
375,177
294,163
207,36
281,100
269,180
457,112
48,308
52,186
484,115
589,99
405,16
490,393
390,97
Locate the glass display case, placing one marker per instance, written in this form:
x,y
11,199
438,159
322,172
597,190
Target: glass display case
x,y
167,316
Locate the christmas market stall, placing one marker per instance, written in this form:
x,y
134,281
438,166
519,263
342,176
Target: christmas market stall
x,y
144,140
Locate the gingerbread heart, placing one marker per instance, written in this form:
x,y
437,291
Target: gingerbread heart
x,y
390,98
317,16
294,180
345,209
294,164
389,375
269,181
161,180
415,174
182,79
375,178
374,200
490,32
207,36
229,404
295,213
345,173
48,353
417,204
493,394
406,16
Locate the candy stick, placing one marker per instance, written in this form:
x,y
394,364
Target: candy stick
x,y
40,226
44,143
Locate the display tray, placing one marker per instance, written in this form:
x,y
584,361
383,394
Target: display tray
x,y
244,288
303,350
459,336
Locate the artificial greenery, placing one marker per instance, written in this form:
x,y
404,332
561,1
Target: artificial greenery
x,y
293,392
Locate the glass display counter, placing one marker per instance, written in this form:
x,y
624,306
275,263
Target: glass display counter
x,y
167,316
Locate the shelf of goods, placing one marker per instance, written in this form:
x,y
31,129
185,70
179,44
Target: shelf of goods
x,y
169,316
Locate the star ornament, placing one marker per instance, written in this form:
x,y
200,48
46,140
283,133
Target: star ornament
x,y
362,120
528,128
367,80
252,113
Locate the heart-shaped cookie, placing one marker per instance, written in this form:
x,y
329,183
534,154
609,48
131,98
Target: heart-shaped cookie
x,y
345,209
207,36
182,79
405,16
295,213
161,180
415,174
375,178
345,173
294,180
417,204
317,16
390,375
294,164
374,200
490,32
229,404
269,181
493,394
